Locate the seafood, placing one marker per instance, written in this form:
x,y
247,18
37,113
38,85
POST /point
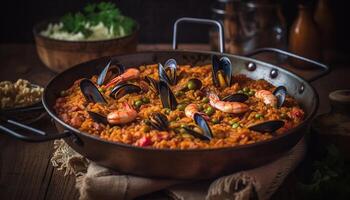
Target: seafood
x,y
121,90
122,116
228,107
129,74
280,92
221,71
192,109
267,96
168,72
109,72
183,108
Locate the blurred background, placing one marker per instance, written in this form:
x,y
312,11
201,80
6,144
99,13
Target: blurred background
x,y
154,16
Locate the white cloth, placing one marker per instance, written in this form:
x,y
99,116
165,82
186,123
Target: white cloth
x,y
96,182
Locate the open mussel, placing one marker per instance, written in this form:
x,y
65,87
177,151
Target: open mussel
x,y
121,90
280,92
109,72
158,121
153,84
267,126
91,92
236,98
167,97
98,117
168,72
221,71
205,134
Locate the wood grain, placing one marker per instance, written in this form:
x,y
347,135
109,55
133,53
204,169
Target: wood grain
x,y
25,168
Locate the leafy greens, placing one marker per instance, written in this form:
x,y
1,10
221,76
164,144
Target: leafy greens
x,y
104,12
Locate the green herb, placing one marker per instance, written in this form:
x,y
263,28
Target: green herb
x,y
93,14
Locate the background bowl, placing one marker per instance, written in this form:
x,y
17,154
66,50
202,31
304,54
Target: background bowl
x,y
59,55
24,114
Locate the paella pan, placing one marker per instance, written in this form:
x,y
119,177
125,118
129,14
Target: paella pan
x,y
189,152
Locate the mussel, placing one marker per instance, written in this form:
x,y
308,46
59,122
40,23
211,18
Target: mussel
x,y
91,92
158,121
267,126
236,98
205,134
280,92
168,72
153,84
109,72
167,97
98,117
121,90
221,71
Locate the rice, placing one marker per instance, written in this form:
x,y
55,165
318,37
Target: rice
x,y
98,32
19,94
232,129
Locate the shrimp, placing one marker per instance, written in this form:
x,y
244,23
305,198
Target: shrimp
x,y
129,74
123,116
192,109
267,97
225,106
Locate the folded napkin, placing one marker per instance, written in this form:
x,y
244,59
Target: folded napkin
x,y
97,182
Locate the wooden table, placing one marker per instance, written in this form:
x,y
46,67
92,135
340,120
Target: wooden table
x,y
25,168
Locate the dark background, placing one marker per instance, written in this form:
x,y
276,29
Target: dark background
x,y
155,17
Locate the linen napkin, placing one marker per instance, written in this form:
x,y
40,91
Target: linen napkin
x,y
97,182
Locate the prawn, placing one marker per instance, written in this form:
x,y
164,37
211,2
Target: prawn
x,y
228,107
192,109
267,97
129,74
123,116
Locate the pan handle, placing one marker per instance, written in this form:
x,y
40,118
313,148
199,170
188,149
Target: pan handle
x,y
42,138
285,53
200,21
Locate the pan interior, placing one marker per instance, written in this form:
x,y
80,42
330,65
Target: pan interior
x,y
307,98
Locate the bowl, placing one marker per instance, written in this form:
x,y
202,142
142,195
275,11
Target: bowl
x,y
59,55
24,114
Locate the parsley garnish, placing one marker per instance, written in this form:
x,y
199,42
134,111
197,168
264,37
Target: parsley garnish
x,y
93,14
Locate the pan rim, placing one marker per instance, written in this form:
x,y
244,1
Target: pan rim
x,y
305,122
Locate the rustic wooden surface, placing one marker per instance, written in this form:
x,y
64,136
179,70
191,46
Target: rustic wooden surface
x,y
25,168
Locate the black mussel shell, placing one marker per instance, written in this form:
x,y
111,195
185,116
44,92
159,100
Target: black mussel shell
x,y
194,133
91,92
158,121
171,66
115,69
203,125
226,66
267,126
236,98
166,96
214,69
121,90
98,117
168,72
222,66
154,86
280,92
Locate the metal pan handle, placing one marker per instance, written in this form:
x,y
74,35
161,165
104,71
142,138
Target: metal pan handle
x,y
285,53
200,21
42,136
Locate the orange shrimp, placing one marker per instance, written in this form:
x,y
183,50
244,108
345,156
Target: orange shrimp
x,y
192,109
123,116
228,107
267,97
129,74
